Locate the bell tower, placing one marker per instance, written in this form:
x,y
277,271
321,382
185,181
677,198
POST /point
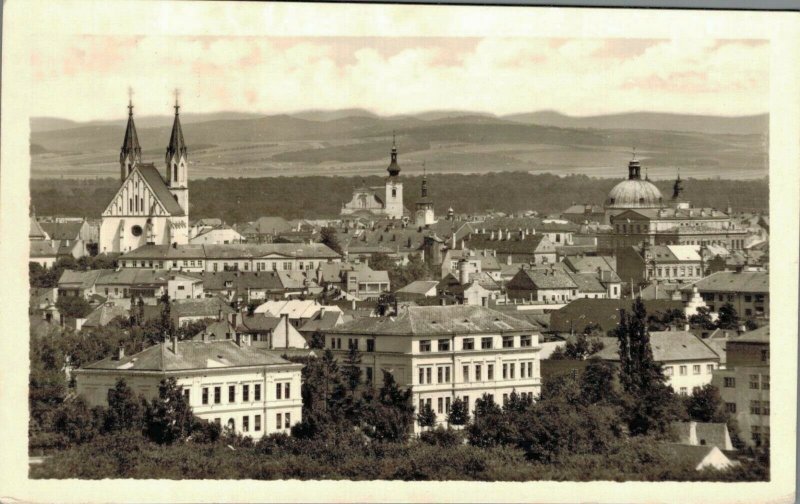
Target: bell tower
x,y
394,187
177,161
131,153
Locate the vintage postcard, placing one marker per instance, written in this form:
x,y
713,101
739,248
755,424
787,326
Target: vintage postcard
x,y
381,252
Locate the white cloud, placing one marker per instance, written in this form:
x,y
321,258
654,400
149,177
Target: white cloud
x,y
86,77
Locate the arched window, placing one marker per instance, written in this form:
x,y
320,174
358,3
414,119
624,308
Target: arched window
x,y
231,424
394,192
175,172
141,204
130,204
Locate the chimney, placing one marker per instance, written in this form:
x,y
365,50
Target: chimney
x,y
219,315
175,344
120,352
508,259
353,305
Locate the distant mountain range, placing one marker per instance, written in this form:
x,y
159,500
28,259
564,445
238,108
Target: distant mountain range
x,y
356,142
739,125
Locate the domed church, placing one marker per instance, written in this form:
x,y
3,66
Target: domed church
x,y
633,193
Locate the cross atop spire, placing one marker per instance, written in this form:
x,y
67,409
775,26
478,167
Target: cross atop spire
x,y
130,101
394,168
633,158
177,107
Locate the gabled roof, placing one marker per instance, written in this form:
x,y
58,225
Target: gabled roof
x,y
420,287
528,245
43,248
159,188
760,335
548,279
62,230
590,264
731,281
191,355
668,346
105,313
579,313
436,320
79,279
35,231
587,282
258,324
204,307
241,280
294,308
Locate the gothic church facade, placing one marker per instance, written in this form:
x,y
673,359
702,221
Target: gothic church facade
x,y
148,208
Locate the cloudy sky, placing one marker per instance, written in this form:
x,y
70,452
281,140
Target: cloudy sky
x,y
85,77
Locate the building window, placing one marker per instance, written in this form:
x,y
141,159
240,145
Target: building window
x,y
754,381
186,395
465,372
682,370
370,345
730,407
447,405
530,370
440,405
505,371
729,382
525,340
257,423
755,407
429,375
421,376
352,343
765,408
232,393
748,298
369,377
477,372
490,371
667,370
205,395
278,390
755,434
765,382
508,341
709,368
684,391
443,345
246,393
447,374
440,375
287,420
486,343
425,345
468,344
696,369
505,399
245,423
765,355
217,395
278,420
287,387
257,392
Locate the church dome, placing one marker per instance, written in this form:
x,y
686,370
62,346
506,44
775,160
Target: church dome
x,y
634,192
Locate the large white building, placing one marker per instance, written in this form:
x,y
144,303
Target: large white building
x,y
247,389
444,352
231,257
148,208
687,361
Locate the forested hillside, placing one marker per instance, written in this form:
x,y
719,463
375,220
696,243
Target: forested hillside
x,y
245,199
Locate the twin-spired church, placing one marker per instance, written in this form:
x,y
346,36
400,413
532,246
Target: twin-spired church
x,y
148,208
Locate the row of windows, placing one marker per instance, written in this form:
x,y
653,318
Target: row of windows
x,y
282,391
282,421
683,370
443,403
677,271
443,345
759,434
748,298
352,343
191,263
754,382
759,408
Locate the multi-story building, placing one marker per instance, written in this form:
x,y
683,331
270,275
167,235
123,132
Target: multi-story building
x,y
660,263
231,257
744,384
687,361
249,390
131,283
444,352
548,285
747,291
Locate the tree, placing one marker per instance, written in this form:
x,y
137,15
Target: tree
x,y
459,412
661,321
728,318
578,348
426,416
73,306
390,415
706,405
77,422
651,405
168,417
351,368
598,383
702,319
317,340
166,325
329,238
125,410
489,426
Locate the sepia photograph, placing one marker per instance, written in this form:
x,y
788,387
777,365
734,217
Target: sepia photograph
x,y
305,243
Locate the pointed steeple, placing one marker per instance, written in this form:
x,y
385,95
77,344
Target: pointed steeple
x,y
394,168
177,146
131,152
424,190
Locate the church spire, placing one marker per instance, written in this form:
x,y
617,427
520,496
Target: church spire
x,y
394,168
177,146
131,152
424,191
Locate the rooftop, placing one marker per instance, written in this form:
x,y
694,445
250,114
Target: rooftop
x,y
732,281
436,320
668,346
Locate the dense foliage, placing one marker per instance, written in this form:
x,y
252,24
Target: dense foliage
x,y
246,199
